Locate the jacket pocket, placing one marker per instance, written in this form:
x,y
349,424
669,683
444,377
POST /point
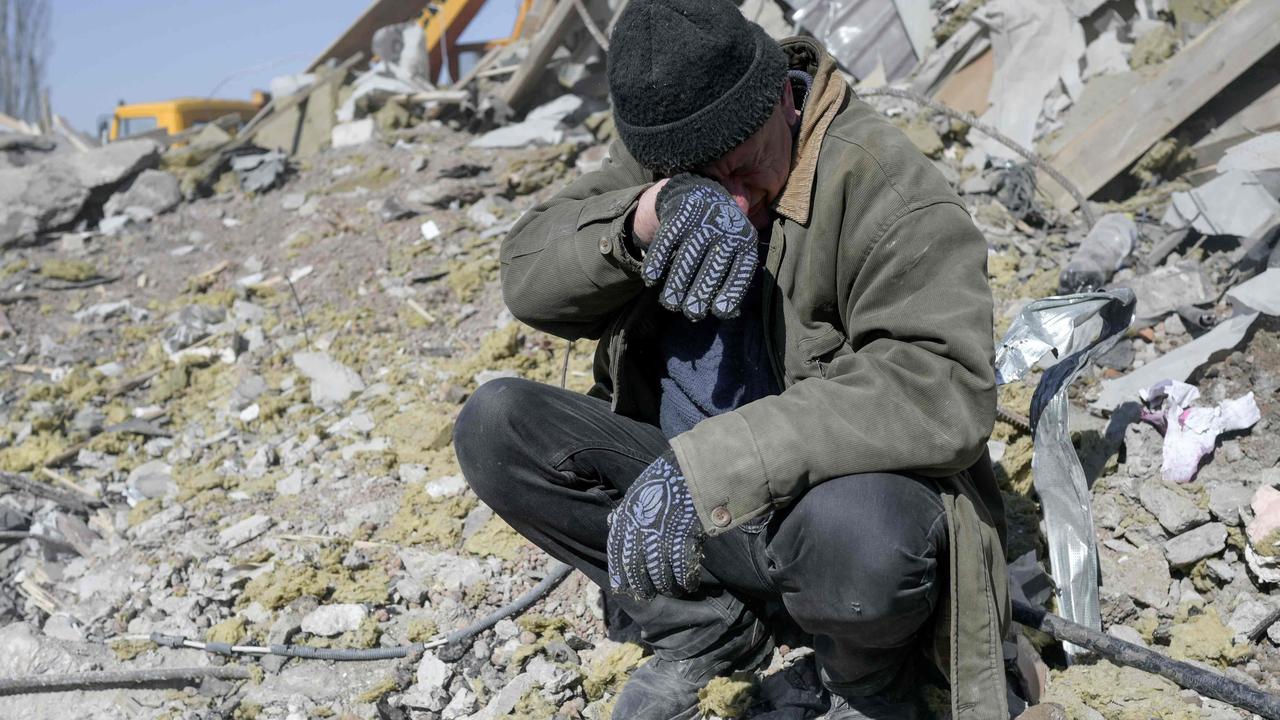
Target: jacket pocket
x,y
816,351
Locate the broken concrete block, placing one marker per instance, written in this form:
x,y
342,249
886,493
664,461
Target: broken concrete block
x,y
260,172
1176,512
331,381
1191,547
330,620
355,132
244,531
112,163
1142,574
155,190
35,199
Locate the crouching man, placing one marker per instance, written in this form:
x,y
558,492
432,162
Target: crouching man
x,y
794,382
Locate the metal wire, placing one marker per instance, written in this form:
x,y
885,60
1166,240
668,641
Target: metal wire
x,y
995,134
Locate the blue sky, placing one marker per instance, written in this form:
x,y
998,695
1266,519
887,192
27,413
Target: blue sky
x,y
144,50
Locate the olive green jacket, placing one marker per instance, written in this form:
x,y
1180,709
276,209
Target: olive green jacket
x,y
878,322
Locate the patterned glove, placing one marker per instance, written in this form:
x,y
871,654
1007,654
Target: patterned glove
x,y
709,244
655,538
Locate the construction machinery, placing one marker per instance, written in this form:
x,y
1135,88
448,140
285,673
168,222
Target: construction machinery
x,y
168,118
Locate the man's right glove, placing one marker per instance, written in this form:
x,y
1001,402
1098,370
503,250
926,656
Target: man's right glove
x,y
709,244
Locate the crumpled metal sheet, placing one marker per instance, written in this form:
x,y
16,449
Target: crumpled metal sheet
x,y
1075,329
860,34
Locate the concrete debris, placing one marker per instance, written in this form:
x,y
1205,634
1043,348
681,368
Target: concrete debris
x,y
259,396
1163,290
331,620
331,381
260,172
1257,154
541,127
1195,545
155,190
1236,203
355,132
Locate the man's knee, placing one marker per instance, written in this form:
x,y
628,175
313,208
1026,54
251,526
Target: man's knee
x,y
865,552
488,426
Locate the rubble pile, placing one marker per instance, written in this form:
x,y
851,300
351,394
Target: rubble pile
x,y
232,365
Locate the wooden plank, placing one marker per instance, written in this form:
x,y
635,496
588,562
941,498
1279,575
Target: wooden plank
x,y
968,88
359,36
561,20
1185,82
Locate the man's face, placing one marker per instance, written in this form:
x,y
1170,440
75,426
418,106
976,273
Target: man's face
x,y
755,171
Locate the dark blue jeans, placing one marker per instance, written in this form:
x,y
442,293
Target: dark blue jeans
x,y
854,561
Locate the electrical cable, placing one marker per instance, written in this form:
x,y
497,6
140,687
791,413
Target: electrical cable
x,y
554,577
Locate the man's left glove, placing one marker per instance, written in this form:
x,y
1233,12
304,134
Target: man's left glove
x,y
655,538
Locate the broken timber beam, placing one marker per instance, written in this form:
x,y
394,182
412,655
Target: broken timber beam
x,y
544,45
1241,37
359,35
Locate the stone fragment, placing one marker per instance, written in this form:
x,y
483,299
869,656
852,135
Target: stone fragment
x,y
1247,615
111,163
433,672
445,192
1127,634
261,172
244,531
1193,546
293,201
151,479
1226,499
331,381
446,486
461,705
1142,575
34,199
155,190
1176,512
290,484
64,627
389,209
331,620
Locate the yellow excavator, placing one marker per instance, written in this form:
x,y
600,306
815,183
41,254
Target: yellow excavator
x,y
171,117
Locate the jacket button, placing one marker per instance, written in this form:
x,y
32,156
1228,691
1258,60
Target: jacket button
x,y
605,246
721,517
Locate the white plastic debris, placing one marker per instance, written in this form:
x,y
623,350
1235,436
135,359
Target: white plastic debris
x,y
430,231
354,133
1190,433
542,126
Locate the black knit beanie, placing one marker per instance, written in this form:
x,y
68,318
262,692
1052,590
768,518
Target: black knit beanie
x,y
690,80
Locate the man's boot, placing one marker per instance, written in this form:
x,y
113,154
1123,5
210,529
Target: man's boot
x,y
900,700
668,689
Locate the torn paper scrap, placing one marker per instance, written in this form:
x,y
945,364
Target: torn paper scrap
x,y
1191,433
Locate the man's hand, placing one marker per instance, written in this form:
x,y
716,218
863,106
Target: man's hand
x,y
708,244
655,539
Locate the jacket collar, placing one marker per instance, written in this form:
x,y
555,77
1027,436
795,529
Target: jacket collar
x,y
826,98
